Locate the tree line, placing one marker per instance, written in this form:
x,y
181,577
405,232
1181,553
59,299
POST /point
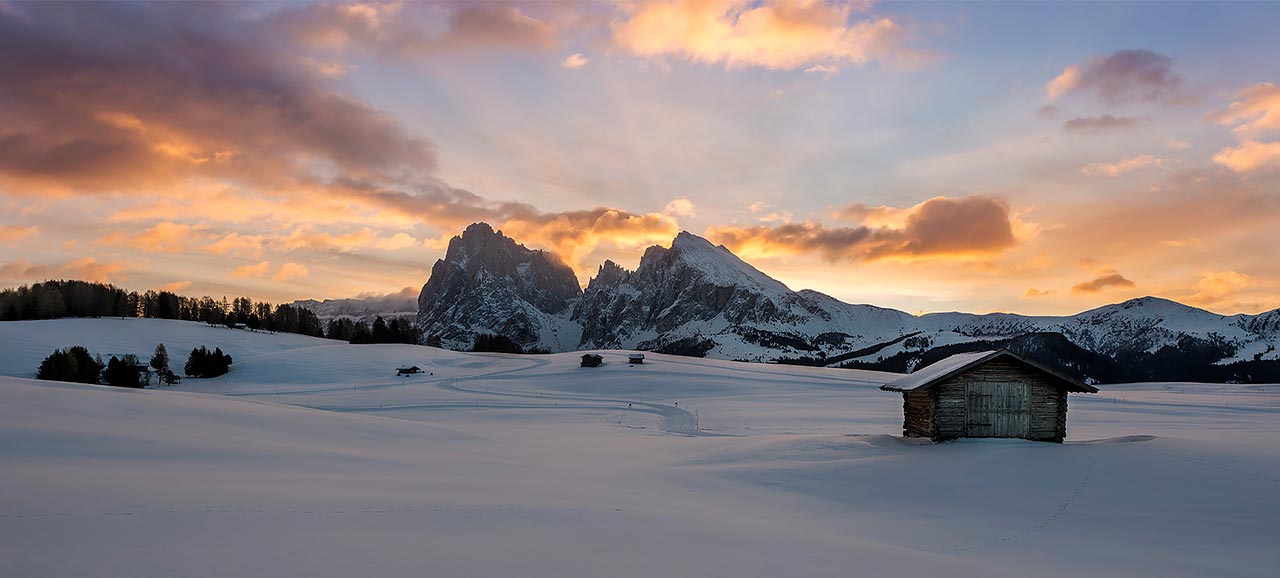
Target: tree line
x,y
77,364
57,299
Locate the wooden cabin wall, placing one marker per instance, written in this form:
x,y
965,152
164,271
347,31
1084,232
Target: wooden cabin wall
x,y
917,409
1048,402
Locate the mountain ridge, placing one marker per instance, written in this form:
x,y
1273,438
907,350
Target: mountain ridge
x,y
697,298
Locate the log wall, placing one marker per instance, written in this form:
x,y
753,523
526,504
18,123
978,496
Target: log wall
x,y
945,415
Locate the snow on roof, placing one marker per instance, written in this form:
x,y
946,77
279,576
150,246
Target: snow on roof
x,y
942,370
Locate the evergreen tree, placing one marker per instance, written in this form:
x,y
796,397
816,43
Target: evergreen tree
x,y
71,364
123,372
205,363
160,363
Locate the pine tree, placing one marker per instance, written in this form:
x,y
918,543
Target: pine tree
x,y
160,363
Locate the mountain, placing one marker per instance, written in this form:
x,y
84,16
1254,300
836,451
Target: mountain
x,y
366,307
489,284
696,298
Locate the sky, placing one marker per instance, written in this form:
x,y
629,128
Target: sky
x,y
1028,157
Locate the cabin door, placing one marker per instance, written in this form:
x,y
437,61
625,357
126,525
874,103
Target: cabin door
x,y
998,409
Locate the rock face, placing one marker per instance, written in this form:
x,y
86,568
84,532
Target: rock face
x,y
487,283
696,298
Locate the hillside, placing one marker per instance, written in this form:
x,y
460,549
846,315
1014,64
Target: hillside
x,y
532,466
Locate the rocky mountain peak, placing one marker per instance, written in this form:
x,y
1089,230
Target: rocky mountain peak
x,y
488,283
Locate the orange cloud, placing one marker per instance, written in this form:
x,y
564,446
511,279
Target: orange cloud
x,y
164,237
1249,156
575,234
175,286
289,271
1119,167
14,232
258,270
1036,293
776,34
398,29
1218,289
939,227
1108,278
87,269
575,60
1256,108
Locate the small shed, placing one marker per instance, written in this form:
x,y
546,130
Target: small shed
x,y
408,370
592,360
987,394
635,358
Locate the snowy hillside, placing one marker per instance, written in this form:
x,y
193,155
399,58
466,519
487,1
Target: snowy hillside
x,y
312,459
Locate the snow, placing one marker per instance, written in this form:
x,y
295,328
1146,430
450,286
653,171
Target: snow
x,y
504,465
942,367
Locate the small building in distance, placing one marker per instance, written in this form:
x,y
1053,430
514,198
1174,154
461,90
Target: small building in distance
x,y
635,358
408,370
987,394
592,360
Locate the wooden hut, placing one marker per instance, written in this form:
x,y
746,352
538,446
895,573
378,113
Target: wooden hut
x,y
988,394
635,358
411,370
592,360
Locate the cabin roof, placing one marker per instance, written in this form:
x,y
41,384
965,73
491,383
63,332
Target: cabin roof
x,y
593,355
636,355
410,367
956,364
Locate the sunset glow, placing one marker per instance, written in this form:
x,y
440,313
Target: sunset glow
x,y
1025,157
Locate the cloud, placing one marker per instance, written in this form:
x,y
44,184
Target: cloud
x,y
257,270
573,235
1219,289
1177,145
175,286
681,207
575,60
1255,109
1119,167
1250,156
1123,76
168,93
405,30
365,238
774,34
938,227
1098,123
1036,293
289,271
163,237
1108,278
15,232
86,269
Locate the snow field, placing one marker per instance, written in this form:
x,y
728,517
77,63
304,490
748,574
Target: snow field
x,y
532,466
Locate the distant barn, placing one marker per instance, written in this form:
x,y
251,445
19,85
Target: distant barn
x,y
408,370
636,358
988,394
592,360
